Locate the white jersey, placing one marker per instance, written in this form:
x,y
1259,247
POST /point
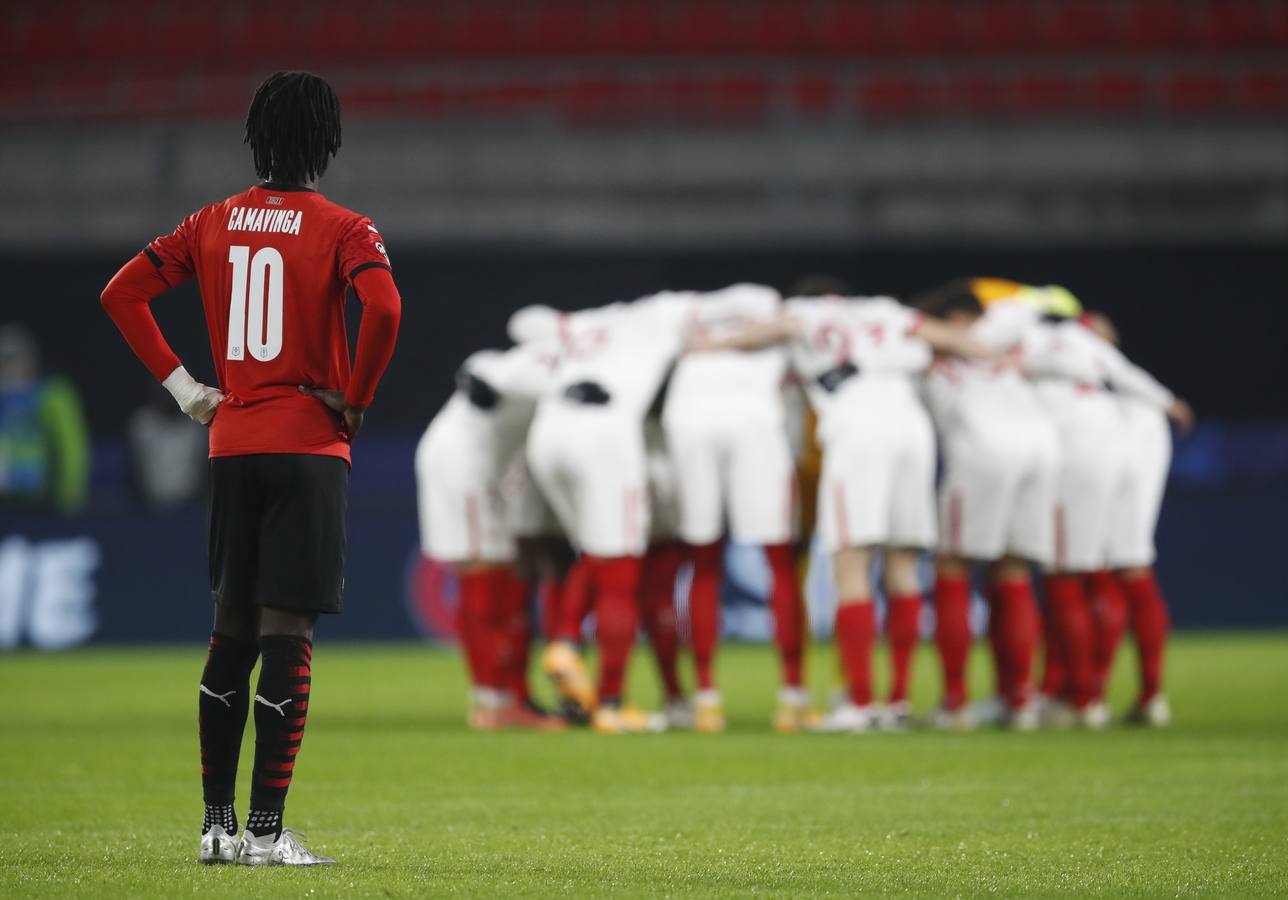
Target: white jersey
x,y
1070,361
964,393
856,351
626,349
731,383
517,378
466,452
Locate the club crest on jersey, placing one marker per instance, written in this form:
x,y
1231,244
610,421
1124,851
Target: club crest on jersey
x,y
281,221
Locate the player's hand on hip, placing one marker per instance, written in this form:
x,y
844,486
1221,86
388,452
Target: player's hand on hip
x,y
198,401
350,416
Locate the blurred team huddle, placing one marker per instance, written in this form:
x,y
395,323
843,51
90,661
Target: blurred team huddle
x,y
994,425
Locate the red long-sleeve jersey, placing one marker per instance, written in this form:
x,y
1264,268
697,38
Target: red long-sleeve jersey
x,y
272,264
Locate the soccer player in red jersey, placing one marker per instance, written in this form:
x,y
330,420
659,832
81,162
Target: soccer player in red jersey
x,y
273,264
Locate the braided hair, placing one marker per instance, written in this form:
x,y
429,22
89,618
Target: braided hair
x,y
293,127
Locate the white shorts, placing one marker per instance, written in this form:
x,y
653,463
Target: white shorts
x,y
663,490
462,510
1148,451
1092,463
997,495
530,515
878,482
741,466
589,462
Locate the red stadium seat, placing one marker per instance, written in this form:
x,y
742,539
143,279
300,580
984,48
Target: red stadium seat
x,y
1233,25
1117,92
411,33
1199,92
926,27
1079,25
1265,92
813,94
1046,93
558,29
52,34
709,28
189,34
484,29
1154,25
976,94
850,28
1007,26
882,98
781,28
337,32
630,28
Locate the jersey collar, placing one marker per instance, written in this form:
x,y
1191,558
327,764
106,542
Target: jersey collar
x,y
284,188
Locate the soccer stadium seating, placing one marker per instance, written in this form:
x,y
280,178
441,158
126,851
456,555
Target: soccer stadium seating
x,y
634,58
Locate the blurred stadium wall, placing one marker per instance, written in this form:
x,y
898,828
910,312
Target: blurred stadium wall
x,y
575,152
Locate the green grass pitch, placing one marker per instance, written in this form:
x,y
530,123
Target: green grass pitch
x,y
99,793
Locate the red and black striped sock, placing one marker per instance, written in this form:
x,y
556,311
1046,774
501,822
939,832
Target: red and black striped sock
x,y
281,707
222,706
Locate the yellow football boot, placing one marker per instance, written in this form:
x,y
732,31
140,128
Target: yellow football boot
x,y
563,665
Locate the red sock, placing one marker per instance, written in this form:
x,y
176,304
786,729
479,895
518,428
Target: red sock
x,y
657,607
514,632
789,612
952,635
616,583
856,633
1108,622
1067,600
1149,622
1053,669
1018,636
548,607
704,608
903,620
575,596
997,646
475,618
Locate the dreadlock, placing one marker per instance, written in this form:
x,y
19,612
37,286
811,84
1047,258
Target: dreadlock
x,y
293,127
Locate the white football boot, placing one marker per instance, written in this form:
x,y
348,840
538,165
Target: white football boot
x,y
1095,716
848,719
1157,713
894,716
989,711
1058,714
217,846
285,851
960,719
1027,716
679,714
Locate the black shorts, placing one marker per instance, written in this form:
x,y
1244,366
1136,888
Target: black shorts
x,y
277,531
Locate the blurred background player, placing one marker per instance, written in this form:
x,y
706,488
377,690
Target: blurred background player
x,y
586,451
857,359
996,498
658,575
1075,369
1147,440
282,421
466,521
727,433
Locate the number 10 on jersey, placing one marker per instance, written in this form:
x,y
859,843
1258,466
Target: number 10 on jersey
x,y
254,326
